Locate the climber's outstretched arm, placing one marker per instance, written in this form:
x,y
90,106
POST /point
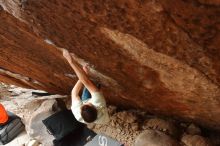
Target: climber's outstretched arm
x,y
75,91
80,72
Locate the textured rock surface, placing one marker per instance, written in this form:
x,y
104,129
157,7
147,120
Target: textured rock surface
x,y
193,130
164,126
36,129
123,126
195,140
154,138
161,56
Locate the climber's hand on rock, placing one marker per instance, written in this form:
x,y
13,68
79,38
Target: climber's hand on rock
x,y
86,68
67,55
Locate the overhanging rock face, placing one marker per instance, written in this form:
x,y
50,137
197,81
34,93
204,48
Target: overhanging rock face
x,y
161,56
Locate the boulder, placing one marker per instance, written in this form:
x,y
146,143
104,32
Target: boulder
x,y
195,140
154,138
158,56
192,129
36,129
165,126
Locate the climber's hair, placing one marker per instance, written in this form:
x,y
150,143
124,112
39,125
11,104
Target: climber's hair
x,y
89,113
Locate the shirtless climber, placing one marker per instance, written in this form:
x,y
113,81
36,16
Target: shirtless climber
x,y
91,107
